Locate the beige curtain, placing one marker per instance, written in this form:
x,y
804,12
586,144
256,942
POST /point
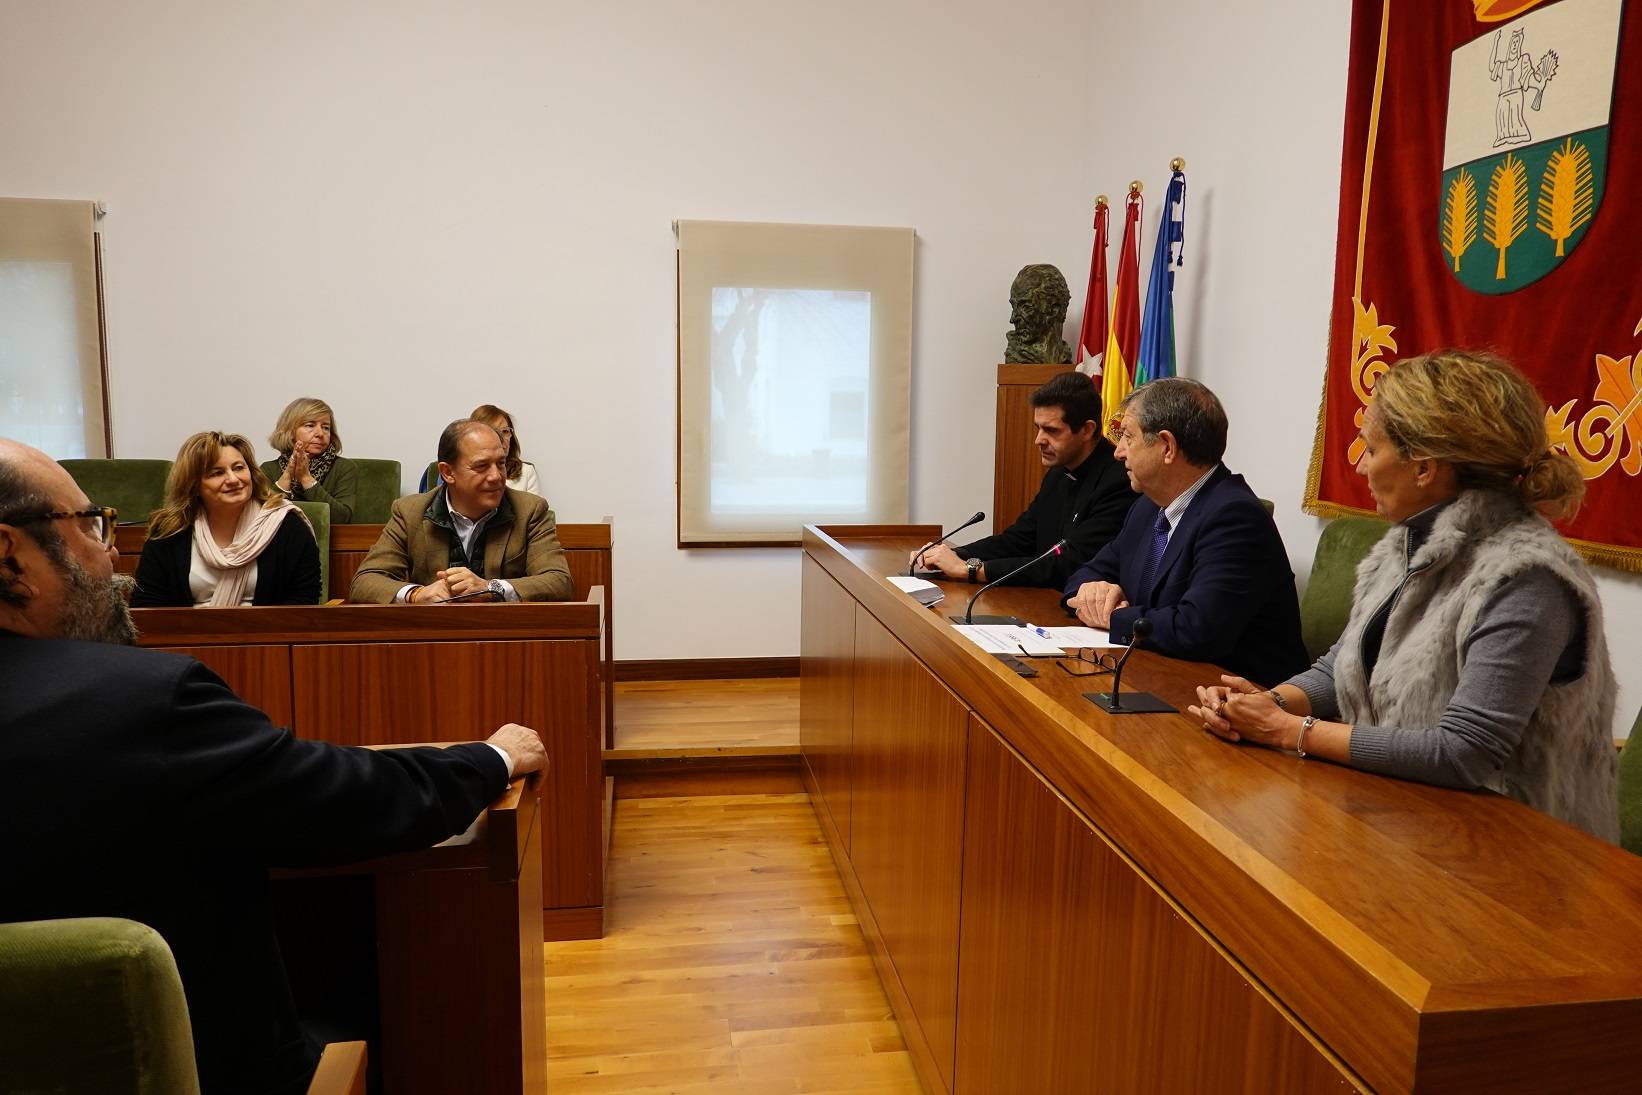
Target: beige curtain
x,y
794,357
51,365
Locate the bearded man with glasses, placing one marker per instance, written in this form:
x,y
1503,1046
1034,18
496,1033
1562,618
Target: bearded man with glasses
x,y
134,783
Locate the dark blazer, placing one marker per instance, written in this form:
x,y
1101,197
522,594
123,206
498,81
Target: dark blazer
x,y
134,783
287,570
1223,592
1086,506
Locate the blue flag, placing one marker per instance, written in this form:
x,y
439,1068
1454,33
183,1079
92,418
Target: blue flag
x,y
1156,357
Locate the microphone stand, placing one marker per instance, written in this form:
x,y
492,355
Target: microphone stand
x,y
912,567
1135,703
969,609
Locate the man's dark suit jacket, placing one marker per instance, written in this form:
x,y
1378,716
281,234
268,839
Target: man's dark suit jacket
x,y
1223,592
1086,506
287,569
134,783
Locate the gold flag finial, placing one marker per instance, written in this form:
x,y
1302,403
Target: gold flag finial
x,y
1136,187
1177,164
1100,201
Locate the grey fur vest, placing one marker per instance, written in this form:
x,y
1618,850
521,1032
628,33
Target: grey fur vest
x,y
1565,764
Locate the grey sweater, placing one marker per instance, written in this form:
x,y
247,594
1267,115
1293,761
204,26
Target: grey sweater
x,y
1530,633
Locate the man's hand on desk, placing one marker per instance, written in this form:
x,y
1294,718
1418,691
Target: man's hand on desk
x,y
941,557
430,594
461,581
523,747
1094,603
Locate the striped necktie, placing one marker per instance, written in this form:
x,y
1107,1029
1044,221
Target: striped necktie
x,y
1160,543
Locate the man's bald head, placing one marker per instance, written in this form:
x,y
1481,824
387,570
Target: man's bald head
x,y
56,579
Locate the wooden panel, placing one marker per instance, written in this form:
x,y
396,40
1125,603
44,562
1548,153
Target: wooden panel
x,y
1405,925
367,623
824,690
463,996
704,669
1060,934
259,675
1017,472
906,826
389,693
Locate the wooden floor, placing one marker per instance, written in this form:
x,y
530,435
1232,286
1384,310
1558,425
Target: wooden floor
x,y
731,964
704,714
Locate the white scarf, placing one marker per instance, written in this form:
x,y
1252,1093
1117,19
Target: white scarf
x,y
258,526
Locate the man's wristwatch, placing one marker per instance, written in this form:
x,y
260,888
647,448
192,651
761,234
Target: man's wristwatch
x,y
974,570
496,589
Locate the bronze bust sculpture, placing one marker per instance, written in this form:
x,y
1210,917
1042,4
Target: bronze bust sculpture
x,y
1037,307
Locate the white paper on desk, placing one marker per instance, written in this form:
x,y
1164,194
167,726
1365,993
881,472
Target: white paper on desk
x,y
1007,639
909,585
1070,638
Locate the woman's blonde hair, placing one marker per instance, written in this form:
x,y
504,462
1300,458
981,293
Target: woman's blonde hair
x,y
1481,416
296,412
493,416
182,487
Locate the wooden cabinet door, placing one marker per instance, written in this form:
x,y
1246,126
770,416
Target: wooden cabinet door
x,y
1078,975
825,691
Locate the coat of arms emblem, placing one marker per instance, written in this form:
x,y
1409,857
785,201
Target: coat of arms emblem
x,y
1526,146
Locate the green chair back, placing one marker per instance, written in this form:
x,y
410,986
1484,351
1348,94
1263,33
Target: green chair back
x,y
92,1004
134,487
430,478
1327,603
1630,790
378,489
1271,507
319,516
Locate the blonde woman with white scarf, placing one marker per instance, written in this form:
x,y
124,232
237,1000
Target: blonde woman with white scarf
x,y
224,537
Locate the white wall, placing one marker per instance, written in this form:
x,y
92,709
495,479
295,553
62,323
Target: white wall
x,y
411,208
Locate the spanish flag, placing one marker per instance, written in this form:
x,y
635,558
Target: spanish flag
x,y
1123,338
1092,335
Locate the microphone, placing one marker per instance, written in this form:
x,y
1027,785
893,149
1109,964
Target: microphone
x,y
913,566
1136,703
968,618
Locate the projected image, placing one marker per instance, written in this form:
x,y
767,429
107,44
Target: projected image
x,y
788,428
41,390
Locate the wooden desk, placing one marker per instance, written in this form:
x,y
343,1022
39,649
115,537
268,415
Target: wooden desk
x,y
393,674
587,550
458,954
1063,900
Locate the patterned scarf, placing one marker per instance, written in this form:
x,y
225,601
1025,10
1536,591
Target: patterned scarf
x,y
318,466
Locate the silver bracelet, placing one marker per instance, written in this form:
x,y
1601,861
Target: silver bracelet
x,y
1305,724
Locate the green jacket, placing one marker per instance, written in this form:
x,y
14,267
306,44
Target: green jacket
x,y
340,488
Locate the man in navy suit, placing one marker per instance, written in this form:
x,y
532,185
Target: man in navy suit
x,y
1198,556
134,783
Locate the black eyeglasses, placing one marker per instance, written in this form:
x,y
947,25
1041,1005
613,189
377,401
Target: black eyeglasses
x,y
99,520
1088,661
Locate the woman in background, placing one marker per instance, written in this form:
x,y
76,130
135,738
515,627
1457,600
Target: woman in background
x,y
521,474
311,467
1474,655
224,537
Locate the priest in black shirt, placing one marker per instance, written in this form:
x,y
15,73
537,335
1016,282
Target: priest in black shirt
x,y
1084,497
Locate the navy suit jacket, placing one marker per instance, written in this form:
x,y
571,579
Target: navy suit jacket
x,y
1223,592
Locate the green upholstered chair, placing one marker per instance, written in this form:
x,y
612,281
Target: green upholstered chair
x,y
134,487
1271,507
319,516
1327,603
1630,790
378,488
92,1005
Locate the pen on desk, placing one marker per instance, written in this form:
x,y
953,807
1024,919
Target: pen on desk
x,y
1023,650
1042,633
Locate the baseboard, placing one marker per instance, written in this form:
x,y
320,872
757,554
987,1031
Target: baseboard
x,y
703,669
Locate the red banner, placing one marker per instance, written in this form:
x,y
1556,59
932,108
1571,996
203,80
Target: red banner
x,y
1491,198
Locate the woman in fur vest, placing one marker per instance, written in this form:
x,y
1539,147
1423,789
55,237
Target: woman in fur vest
x,y
1474,655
